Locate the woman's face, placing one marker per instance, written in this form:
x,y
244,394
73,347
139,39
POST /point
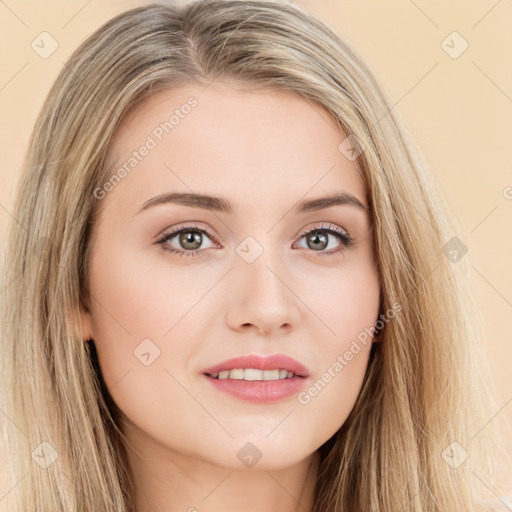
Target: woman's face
x,y
247,276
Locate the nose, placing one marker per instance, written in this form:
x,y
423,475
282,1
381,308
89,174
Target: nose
x,y
262,298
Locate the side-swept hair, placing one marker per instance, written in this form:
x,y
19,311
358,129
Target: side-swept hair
x,y
427,385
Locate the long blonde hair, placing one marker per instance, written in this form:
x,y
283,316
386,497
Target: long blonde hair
x,y
427,385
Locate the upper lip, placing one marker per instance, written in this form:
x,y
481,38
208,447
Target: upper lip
x,y
273,362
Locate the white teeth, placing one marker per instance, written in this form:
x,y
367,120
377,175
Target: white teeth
x,y
236,374
271,375
254,374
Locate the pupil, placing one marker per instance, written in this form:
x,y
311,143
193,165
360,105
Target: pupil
x,y
315,236
189,237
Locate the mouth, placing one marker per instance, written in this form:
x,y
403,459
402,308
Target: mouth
x,y
254,367
258,379
253,374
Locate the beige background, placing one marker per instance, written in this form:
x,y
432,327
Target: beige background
x,y
459,109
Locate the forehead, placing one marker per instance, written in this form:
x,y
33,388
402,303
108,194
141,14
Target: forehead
x,y
231,141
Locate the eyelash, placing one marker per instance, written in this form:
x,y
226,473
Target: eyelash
x,y
341,234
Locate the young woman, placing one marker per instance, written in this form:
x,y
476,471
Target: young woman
x,y
233,285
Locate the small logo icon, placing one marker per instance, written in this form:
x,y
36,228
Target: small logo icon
x,y
249,249
454,455
146,352
351,147
249,455
454,249
44,45
42,248
454,45
45,455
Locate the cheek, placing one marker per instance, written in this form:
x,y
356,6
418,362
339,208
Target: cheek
x,y
147,320
348,307
345,300
142,337
342,360
127,311
137,299
332,395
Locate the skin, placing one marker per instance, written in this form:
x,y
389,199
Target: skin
x,y
264,150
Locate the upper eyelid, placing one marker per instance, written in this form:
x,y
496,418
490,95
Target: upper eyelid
x,y
323,226
175,231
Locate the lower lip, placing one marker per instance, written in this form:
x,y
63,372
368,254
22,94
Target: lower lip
x,y
259,391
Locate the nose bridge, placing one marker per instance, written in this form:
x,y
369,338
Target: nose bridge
x,y
262,268
262,296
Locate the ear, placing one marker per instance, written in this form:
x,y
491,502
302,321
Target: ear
x,y
86,328
82,323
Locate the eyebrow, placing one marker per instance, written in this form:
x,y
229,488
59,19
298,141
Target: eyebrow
x,y
223,205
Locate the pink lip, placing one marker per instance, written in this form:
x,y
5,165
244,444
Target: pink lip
x,y
274,362
260,391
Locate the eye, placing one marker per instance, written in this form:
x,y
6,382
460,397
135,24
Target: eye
x,y
190,238
317,239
